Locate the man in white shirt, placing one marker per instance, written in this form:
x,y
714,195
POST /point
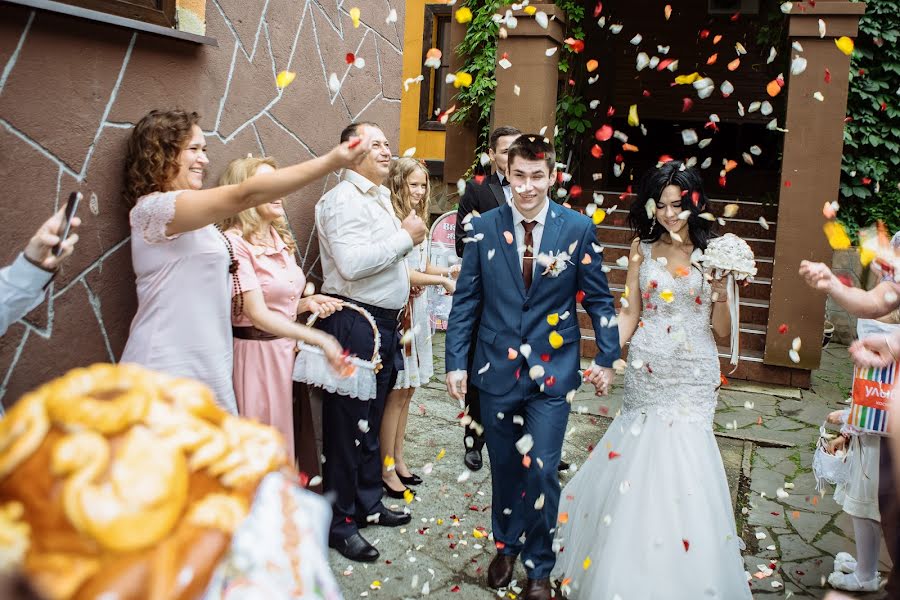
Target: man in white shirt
x,y
363,245
22,284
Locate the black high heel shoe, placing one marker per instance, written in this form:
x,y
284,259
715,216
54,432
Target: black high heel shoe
x,y
392,493
413,479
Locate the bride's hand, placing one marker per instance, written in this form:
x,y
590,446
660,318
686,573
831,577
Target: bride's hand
x,y
719,290
838,443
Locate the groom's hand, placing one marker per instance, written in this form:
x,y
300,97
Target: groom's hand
x,y
456,385
600,377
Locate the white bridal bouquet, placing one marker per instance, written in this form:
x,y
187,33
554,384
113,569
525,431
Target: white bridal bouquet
x,y
730,257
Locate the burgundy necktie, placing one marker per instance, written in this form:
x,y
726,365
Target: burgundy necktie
x,y
528,257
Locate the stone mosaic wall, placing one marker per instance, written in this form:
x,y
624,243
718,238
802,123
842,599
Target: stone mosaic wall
x,y
70,91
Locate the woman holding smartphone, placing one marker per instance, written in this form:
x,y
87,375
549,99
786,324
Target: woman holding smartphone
x,y
183,263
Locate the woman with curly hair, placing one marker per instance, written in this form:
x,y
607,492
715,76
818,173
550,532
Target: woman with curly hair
x,y
267,298
182,262
410,191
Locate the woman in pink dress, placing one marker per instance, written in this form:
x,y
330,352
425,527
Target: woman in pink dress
x,y
182,262
267,296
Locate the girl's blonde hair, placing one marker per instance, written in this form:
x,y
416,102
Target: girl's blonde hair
x,y
248,221
400,171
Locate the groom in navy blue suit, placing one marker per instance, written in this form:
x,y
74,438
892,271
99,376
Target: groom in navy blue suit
x,y
526,265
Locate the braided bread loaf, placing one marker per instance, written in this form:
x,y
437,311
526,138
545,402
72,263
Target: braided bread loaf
x,y
118,480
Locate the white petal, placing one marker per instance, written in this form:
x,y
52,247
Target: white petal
x,y
551,51
637,39
541,18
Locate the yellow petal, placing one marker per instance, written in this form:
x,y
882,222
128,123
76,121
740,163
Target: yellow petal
x,y
626,292
388,462
866,256
530,10
285,78
354,16
441,454
633,119
837,235
844,44
556,340
408,495
667,296
553,319
598,216
688,79
586,563
477,534
375,585
463,15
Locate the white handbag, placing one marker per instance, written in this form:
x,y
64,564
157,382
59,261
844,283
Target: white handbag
x,y
833,468
312,367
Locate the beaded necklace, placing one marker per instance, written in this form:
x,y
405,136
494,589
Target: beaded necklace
x,y
237,300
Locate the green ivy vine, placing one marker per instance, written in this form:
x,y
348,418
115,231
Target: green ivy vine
x,y
870,171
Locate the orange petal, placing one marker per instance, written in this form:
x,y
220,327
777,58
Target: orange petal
x,y
734,64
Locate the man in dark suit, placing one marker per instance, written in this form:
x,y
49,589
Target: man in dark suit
x,y
481,196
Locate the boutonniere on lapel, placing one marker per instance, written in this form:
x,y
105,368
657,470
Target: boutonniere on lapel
x,y
554,264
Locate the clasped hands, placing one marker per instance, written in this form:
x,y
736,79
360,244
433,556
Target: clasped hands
x,y
600,377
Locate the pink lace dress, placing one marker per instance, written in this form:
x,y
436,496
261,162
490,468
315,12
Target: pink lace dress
x,y
183,324
262,369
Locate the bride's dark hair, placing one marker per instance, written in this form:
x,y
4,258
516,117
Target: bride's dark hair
x,y
652,184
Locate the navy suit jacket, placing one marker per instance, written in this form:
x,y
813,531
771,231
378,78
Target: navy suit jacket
x,y
490,284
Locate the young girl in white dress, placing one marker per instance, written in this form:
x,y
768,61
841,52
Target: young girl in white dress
x,y
649,515
410,191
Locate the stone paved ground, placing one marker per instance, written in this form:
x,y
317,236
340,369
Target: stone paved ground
x,y
766,436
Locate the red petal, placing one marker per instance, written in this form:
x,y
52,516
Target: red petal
x,y
613,454
479,179
500,545
646,93
687,104
787,183
545,357
734,18
610,111
575,191
664,63
596,151
598,9
579,296
350,58
782,329
722,181
687,545
550,381
455,588
704,33
695,197
827,76
604,133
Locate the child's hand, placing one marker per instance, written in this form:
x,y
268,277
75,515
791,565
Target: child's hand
x,y
838,443
836,417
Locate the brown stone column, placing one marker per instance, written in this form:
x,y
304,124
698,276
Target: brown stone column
x,y
536,74
810,175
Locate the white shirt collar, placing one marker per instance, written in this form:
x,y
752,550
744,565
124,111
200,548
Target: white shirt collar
x,y
541,217
364,184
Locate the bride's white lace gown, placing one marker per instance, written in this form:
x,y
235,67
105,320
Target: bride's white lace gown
x,y
649,515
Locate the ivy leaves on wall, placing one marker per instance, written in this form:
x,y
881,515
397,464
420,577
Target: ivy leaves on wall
x,y
871,165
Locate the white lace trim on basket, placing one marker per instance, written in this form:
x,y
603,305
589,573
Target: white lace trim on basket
x,y
311,367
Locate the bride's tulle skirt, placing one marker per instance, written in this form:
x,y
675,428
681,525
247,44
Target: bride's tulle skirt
x,y
649,517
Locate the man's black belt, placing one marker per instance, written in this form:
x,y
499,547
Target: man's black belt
x,y
386,314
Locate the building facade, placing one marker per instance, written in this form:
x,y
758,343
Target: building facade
x,y
72,85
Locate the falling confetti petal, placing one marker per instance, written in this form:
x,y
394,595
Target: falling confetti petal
x,y
392,16
642,61
773,88
798,65
689,137
354,16
794,356
285,78
818,96
637,39
556,340
796,344
844,44
633,119
786,7
586,563
463,15
763,223
542,20
730,210
837,235
550,51
667,296
334,84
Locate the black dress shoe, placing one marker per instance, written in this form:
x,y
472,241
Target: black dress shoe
x,y
385,517
355,548
473,460
536,589
413,479
389,491
500,571
563,466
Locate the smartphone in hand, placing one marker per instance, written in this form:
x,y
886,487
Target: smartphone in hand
x,y
71,206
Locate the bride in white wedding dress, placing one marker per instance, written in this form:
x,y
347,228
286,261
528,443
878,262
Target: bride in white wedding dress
x,y
649,515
